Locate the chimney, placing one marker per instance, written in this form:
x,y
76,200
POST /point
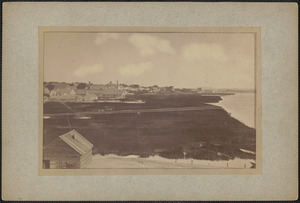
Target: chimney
x,y
117,84
74,136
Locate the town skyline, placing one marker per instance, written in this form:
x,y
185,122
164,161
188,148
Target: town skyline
x,y
182,60
129,84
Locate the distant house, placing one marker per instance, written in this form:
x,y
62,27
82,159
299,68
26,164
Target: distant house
x,y
46,91
53,93
61,85
111,86
207,90
72,92
97,87
60,89
80,98
90,97
46,98
70,150
80,92
65,92
155,89
107,86
107,93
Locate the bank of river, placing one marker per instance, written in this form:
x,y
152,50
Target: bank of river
x,y
241,106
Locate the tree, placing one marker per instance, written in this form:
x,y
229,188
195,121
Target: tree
x,y
81,86
135,86
186,90
169,88
50,87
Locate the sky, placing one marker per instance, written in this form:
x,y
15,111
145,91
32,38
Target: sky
x,y
182,60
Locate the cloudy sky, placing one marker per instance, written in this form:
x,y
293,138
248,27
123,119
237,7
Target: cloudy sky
x,y
219,60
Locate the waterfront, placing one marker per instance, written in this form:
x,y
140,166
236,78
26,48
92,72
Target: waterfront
x,y
240,106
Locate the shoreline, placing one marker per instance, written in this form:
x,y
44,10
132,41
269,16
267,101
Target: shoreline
x,y
237,108
134,161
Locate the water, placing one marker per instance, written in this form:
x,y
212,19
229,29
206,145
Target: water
x,y
241,106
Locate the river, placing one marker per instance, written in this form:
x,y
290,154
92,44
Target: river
x,y
241,106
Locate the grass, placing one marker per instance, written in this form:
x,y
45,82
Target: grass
x,y
207,134
152,101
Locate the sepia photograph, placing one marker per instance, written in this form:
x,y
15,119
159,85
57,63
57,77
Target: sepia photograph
x,y
149,99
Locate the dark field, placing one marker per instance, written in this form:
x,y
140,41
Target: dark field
x,y
152,101
200,134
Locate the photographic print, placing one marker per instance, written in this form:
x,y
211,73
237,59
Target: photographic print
x,y
149,100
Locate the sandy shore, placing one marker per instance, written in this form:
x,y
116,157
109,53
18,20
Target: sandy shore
x,y
133,161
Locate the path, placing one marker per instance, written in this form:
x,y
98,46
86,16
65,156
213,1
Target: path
x,y
140,111
63,103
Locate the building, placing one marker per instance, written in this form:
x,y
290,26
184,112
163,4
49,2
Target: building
x,y
70,150
46,91
207,90
60,86
53,93
155,89
60,89
80,98
107,93
96,87
90,97
80,92
62,92
110,85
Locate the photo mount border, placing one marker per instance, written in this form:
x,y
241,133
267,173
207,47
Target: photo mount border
x,y
152,171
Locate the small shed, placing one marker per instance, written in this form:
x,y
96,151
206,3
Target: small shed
x,y
70,150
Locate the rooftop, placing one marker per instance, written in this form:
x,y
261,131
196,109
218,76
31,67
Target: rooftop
x,y
77,142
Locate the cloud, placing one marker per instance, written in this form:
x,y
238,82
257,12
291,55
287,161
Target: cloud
x,y
103,37
147,45
88,70
204,51
135,69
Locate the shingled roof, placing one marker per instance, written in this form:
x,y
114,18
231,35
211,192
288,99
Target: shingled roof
x,y
77,142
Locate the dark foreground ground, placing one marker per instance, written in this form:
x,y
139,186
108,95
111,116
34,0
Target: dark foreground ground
x,y
201,134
